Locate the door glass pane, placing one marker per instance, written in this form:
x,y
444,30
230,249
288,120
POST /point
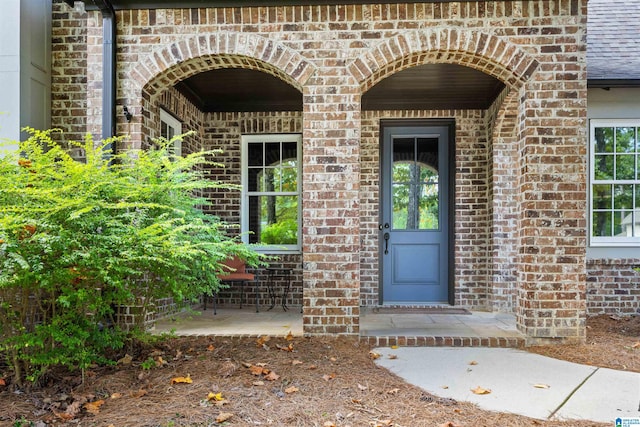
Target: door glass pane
x,y
415,184
429,207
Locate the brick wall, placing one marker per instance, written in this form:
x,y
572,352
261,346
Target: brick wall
x,y
69,71
334,54
613,286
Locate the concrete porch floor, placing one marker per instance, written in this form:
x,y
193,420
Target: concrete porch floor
x,y
477,329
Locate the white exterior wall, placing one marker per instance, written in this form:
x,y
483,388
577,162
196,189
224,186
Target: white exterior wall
x,y
615,103
25,66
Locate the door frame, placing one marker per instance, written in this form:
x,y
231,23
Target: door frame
x,y
451,127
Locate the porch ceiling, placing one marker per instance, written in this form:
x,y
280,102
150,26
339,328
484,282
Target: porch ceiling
x,y
431,86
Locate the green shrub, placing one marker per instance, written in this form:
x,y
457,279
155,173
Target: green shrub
x,y
78,240
284,232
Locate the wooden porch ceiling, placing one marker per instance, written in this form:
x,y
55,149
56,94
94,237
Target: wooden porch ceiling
x,y
431,86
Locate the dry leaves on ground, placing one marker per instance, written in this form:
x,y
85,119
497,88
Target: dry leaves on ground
x,y
322,381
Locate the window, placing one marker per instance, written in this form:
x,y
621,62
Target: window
x,y
615,182
271,191
170,127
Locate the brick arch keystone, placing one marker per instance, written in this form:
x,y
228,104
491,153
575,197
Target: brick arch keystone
x,y
169,64
488,53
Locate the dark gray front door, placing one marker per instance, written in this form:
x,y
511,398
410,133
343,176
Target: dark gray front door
x,y
414,231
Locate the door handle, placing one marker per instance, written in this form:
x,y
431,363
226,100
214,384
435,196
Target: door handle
x,y
386,243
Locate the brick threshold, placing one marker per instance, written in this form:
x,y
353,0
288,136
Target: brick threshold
x,y
443,341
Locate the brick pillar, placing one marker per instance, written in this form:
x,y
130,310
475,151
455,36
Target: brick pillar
x,y
552,272
331,179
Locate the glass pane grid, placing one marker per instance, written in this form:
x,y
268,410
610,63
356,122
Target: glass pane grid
x,y
273,194
615,190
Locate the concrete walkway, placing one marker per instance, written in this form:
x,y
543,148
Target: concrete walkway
x,y
520,382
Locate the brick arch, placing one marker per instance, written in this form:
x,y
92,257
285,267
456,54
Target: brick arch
x,y
177,61
485,52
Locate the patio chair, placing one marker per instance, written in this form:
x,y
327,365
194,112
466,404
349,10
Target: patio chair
x,y
236,272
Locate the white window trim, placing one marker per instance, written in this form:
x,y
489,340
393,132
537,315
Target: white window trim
x,y
609,241
244,205
177,127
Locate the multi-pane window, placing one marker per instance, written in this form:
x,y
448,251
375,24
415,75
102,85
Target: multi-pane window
x,y
615,182
170,127
271,183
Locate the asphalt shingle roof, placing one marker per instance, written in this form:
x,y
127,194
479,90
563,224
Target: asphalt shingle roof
x,y
613,40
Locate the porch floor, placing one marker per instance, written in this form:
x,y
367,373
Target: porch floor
x,y
477,329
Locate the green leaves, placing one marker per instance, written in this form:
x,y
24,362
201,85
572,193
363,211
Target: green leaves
x,y
79,240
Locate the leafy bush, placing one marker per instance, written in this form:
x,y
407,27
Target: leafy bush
x,y
280,233
79,240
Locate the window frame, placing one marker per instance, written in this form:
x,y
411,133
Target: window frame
x,y
174,123
611,241
245,194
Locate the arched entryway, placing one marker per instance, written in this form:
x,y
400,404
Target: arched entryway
x,y
490,188
240,94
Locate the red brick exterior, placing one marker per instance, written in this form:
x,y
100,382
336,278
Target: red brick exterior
x,y
520,207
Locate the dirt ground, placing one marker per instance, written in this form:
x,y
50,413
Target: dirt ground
x,y
209,381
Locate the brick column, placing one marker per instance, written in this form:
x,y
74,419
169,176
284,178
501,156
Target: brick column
x,y
552,272
330,180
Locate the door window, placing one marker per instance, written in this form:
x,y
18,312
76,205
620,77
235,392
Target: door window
x,y
415,184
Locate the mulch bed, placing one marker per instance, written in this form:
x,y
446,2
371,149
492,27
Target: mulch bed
x,y
278,382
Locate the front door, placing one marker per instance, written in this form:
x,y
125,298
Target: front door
x,y
414,226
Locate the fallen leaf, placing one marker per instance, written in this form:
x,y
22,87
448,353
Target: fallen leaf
x,y
361,387
296,362
272,376
215,396
636,345
181,380
116,395
260,342
333,359
94,407
394,347
542,386
473,363
63,415
160,361
313,367
393,391
329,424
373,355
210,347
328,377
393,356
256,370
2,382
383,423
126,360
285,348
223,416
480,390
258,383
289,336
445,387
138,394
291,389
